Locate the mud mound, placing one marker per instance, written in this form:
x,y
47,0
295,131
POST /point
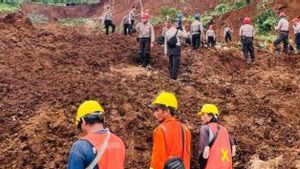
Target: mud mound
x,y
17,20
45,75
55,12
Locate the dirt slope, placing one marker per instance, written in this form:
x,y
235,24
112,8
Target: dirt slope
x,y
45,75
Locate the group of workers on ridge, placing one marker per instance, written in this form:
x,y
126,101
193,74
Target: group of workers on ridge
x,y
174,33
98,148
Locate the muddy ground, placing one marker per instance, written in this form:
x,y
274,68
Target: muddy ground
x,y
45,75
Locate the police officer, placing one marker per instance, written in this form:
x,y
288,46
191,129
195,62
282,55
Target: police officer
x,y
131,18
146,39
283,36
197,31
228,34
108,20
296,27
173,51
247,35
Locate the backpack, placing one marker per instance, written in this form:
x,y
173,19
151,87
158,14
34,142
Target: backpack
x,y
176,162
172,41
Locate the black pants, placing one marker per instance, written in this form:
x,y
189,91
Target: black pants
x,y
126,28
107,24
248,48
131,27
144,51
297,41
228,37
196,41
174,61
282,37
211,41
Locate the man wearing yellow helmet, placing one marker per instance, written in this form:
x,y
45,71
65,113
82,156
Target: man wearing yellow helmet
x,y
98,148
171,139
216,149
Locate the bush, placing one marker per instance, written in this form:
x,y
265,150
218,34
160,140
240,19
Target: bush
x,y
72,22
37,18
266,21
221,9
206,19
9,8
156,20
240,4
169,12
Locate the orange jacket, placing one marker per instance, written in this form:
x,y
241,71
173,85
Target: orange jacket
x,y
167,142
220,156
114,155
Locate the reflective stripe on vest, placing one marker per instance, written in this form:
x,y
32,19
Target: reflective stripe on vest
x,y
114,154
220,153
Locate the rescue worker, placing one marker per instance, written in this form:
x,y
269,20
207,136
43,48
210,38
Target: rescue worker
x,y
216,148
283,36
146,39
247,36
179,21
131,19
173,51
228,34
296,27
108,20
126,25
197,31
95,140
171,138
211,36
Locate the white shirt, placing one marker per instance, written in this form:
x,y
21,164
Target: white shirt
x,y
296,28
108,15
196,27
227,29
171,33
247,30
283,25
210,32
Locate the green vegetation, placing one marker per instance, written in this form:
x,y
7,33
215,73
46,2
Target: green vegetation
x,y
37,18
265,22
156,20
221,9
9,8
72,22
169,13
240,4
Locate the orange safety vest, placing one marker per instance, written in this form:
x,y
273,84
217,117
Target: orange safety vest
x,y
220,156
167,142
114,155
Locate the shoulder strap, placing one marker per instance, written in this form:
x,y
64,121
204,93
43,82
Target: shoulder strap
x,y
182,136
176,33
210,144
100,152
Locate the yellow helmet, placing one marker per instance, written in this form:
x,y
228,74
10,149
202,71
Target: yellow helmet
x,y
88,107
166,99
209,108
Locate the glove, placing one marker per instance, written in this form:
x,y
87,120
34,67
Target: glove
x,y
206,152
233,148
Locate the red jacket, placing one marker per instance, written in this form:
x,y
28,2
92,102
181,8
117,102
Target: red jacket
x,y
167,142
